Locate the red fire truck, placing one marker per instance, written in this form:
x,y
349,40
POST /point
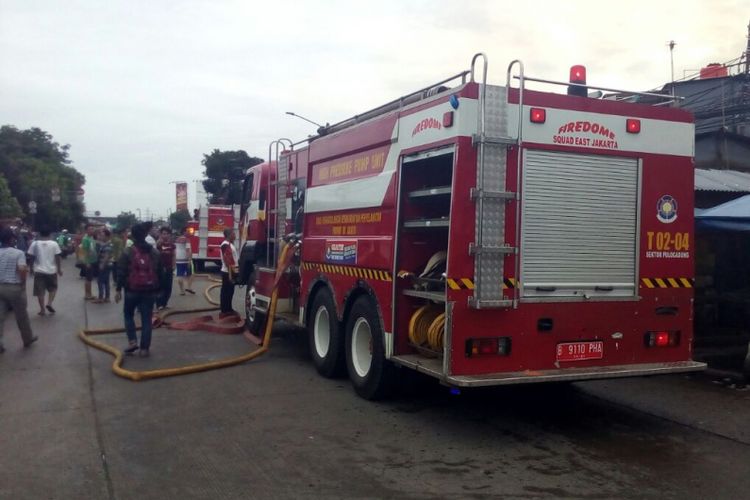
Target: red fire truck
x,y
207,233
483,235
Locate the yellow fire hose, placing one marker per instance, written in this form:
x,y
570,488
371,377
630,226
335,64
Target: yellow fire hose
x,y
135,375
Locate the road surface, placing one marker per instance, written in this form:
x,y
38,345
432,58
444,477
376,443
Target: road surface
x,y
273,428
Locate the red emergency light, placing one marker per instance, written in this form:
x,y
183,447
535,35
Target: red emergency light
x,y
538,115
578,77
578,74
633,126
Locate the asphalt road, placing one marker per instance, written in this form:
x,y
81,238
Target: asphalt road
x,y
273,428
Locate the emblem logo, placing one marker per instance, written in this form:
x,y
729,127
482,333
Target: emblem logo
x,y
666,209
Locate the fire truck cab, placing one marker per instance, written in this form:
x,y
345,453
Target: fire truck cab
x,y
483,235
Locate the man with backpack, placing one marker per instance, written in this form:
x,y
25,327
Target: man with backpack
x,y
139,272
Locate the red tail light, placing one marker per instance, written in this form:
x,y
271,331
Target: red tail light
x,y
489,346
633,126
662,339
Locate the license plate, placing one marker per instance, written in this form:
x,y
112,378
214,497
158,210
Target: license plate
x,y
579,351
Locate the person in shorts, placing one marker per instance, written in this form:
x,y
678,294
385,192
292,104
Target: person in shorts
x,y
44,256
183,259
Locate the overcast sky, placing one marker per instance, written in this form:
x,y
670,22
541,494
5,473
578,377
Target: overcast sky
x,y
142,89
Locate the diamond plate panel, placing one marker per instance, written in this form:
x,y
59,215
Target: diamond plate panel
x,y
495,113
490,212
282,177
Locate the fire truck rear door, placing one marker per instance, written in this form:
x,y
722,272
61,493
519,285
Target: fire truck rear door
x,y
579,225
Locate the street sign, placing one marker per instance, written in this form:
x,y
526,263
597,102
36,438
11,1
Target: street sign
x,y
55,194
32,205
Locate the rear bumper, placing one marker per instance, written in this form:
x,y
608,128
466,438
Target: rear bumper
x,y
572,374
557,375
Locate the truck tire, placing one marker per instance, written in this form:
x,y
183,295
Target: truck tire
x,y
372,376
199,265
326,337
255,320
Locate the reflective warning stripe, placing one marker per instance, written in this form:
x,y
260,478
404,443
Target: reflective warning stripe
x,y
351,271
468,283
667,282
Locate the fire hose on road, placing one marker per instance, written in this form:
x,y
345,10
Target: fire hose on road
x,y
136,375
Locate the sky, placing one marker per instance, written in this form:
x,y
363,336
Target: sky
x,y
141,90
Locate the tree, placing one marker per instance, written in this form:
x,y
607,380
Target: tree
x,y
126,219
35,168
9,206
224,173
179,220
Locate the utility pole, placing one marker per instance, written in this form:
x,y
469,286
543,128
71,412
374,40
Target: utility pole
x,y
747,51
671,44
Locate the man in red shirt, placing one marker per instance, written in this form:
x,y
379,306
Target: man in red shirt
x,y
166,248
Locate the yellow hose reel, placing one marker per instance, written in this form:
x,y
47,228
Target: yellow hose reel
x,y
426,326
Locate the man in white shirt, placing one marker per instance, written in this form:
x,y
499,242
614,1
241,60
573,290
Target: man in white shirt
x,y
229,260
45,266
13,272
153,233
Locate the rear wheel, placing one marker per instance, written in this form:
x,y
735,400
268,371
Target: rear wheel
x,y
200,265
254,319
326,339
372,375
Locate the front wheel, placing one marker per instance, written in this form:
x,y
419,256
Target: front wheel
x,y
372,376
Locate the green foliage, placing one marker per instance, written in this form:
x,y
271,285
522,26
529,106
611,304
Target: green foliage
x,y
179,220
33,165
126,219
9,206
224,173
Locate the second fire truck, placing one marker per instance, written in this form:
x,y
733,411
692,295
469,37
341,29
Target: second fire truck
x,y
484,235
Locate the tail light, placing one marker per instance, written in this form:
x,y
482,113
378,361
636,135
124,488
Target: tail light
x,y
191,231
488,346
578,77
662,338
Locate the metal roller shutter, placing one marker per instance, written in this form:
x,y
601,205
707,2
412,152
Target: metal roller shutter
x,y
579,225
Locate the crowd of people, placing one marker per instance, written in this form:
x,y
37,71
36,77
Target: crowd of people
x,y
141,262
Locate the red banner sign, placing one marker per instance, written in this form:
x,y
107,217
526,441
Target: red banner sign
x,y
182,197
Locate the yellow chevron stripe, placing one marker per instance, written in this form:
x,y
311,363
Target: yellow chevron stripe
x,y
366,273
453,285
660,282
467,283
647,282
673,283
686,283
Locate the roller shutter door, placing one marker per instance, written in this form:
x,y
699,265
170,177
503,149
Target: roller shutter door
x,y
579,225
